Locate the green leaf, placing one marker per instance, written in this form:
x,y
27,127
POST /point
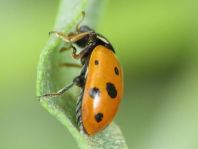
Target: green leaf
x,y
51,77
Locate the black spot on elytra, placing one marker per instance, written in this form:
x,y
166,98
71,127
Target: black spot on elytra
x,y
93,92
98,117
96,62
116,70
111,90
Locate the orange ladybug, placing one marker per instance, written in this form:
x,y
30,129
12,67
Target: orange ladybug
x,y
101,79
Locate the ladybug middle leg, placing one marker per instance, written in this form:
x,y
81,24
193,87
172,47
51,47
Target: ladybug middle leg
x,y
70,65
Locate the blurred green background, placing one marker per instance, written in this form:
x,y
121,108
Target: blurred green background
x,y
156,42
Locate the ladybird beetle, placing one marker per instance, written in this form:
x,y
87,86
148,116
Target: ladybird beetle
x,y
100,80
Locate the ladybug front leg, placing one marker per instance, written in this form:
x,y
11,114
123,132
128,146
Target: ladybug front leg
x,y
71,38
90,46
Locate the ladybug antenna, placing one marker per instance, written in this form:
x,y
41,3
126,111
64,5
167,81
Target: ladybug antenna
x,y
78,25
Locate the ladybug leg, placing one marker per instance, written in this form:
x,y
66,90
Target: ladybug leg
x,y
77,56
78,81
71,38
63,49
74,51
70,65
90,46
60,92
76,37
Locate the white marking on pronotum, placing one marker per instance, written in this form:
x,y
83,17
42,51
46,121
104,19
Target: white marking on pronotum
x,y
103,39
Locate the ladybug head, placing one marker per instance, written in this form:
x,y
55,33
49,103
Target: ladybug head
x,y
84,28
83,42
